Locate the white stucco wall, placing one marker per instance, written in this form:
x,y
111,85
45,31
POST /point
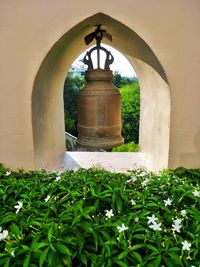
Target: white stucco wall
x,y
29,30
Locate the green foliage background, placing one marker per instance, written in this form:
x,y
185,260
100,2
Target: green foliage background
x,y
130,112
71,88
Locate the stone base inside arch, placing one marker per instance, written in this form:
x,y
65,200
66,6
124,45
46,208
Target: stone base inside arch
x,y
114,162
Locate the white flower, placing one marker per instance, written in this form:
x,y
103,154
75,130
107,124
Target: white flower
x,y
132,180
196,193
168,202
186,245
177,221
132,202
109,213
136,219
7,173
176,228
58,178
183,213
47,198
152,219
122,228
145,182
13,253
3,235
156,226
18,207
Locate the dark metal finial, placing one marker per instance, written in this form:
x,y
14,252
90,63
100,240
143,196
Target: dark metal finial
x,y
98,35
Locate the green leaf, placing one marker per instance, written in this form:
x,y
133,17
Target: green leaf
x,y
142,236
122,255
39,245
83,259
15,229
86,227
63,249
152,248
120,263
27,260
50,233
119,203
135,247
151,205
138,257
7,263
43,256
168,262
26,248
76,220
176,258
156,262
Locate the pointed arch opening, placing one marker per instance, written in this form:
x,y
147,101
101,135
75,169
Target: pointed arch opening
x,y
47,96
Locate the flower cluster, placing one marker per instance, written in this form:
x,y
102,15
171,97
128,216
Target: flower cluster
x,y
176,226
153,224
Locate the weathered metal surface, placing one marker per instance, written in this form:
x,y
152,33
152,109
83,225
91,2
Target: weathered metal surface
x,y
99,112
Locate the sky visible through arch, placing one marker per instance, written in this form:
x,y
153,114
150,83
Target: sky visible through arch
x,y
120,64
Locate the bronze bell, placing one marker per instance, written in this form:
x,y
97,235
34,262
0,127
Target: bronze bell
x,y
99,104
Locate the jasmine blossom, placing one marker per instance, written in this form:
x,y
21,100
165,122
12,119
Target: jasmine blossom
x,y
145,182
176,228
13,253
156,226
133,179
47,198
132,202
186,245
18,207
152,219
122,228
3,235
183,213
109,213
168,202
136,219
196,193
58,178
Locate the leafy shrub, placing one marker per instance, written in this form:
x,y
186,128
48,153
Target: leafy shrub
x,y
130,112
130,147
72,87
97,218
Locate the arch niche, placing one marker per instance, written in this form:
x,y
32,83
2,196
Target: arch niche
x,y
47,96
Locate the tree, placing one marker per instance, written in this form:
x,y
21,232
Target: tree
x,y
71,88
130,112
119,80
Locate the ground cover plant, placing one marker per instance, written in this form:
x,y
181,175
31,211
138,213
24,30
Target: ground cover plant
x,y
97,218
